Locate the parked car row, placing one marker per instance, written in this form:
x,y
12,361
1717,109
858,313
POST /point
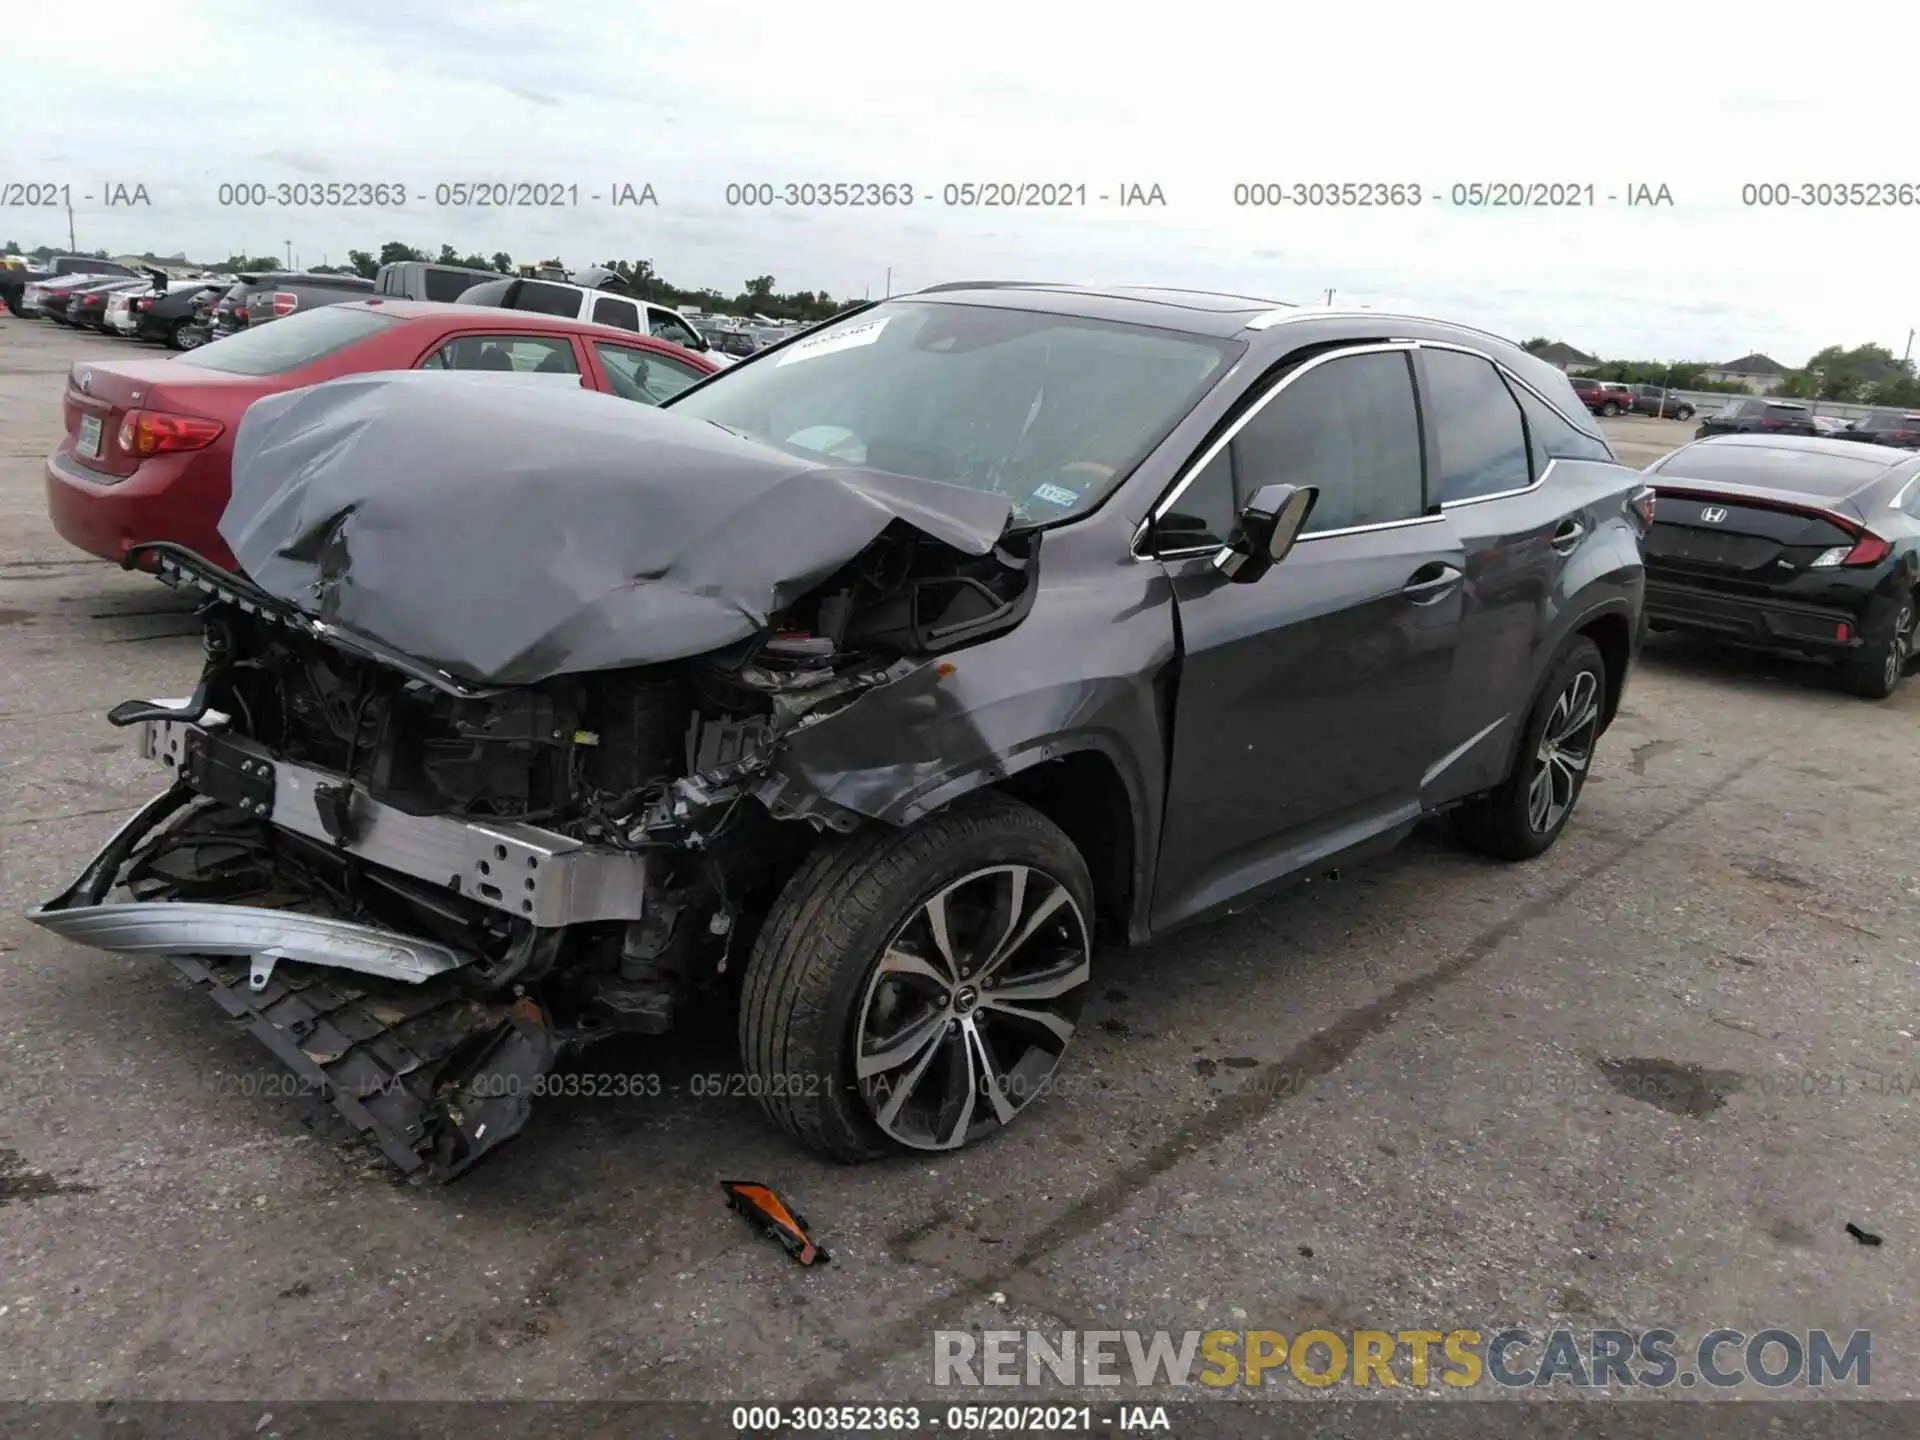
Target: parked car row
x,y
1611,397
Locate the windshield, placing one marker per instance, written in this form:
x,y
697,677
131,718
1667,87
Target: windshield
x,y
1051,411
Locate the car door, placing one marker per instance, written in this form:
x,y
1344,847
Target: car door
x,y
1308,702
1494,442
634,372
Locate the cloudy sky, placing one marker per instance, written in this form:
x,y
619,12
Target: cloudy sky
x,y
1195,99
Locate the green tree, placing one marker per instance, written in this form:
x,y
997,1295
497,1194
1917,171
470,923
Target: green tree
x,y
364,265
13,248
395,252
503,262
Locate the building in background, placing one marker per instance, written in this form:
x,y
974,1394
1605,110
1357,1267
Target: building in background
x,y
1568,359
1756,373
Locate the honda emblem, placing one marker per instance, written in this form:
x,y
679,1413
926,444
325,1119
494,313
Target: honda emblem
x,y
1712,514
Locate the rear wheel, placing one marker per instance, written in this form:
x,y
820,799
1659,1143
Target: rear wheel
x,y
1609,409
915,990
183,336
1522,816
1886,642
1683,413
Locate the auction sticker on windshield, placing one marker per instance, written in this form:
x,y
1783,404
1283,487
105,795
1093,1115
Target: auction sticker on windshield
x,y
850,339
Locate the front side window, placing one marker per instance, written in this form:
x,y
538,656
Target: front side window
x,y
1482,439
643,375
671,328
287,345
1050,411
1349,426
527,354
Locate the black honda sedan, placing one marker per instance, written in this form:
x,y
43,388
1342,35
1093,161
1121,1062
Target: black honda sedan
x,y
1797,545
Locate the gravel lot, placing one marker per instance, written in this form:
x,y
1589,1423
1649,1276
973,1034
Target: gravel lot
x,y
1740,893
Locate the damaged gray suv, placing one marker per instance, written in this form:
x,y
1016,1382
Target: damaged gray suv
x,y
859,688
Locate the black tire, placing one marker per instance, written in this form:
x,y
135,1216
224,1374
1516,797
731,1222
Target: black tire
x,y
1502,822
1875,670
814,960
178,337
1609,410
1683,414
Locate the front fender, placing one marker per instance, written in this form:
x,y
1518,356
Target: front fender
x,y
1083,672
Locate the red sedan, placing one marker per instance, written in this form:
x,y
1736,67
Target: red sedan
x,y
149,442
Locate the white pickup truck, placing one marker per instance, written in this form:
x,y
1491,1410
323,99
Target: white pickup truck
x,y
602,307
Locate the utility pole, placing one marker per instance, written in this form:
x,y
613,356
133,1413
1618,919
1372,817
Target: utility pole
x,y
889,294
1904,359
1329,297
73,246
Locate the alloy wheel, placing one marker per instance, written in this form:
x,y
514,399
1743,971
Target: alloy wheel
x,y
1901,646
971,1006
1566,749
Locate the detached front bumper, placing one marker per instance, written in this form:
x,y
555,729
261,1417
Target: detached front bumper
x,y
390,1028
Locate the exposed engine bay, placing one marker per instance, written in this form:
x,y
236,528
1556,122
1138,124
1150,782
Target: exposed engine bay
x,y
421,891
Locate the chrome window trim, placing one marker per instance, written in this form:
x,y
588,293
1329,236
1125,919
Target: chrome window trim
x,y
1201,552
1371,347
1207,456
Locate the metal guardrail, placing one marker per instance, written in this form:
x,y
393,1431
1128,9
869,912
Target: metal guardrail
x,y
1710,402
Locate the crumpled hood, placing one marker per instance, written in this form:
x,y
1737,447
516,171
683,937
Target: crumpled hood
x,y
505,531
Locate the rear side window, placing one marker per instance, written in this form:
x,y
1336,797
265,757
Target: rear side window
x,y
621,313
288,344
547,299
1483,441
447,285
1550,435
487,292
526,354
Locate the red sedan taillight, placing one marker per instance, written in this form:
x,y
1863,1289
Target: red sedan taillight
x,y
153,432
239,312
284,302
144,302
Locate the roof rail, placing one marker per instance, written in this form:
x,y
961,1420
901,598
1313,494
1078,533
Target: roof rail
x,y
986,285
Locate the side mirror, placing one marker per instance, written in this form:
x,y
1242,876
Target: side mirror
x,y
1270,523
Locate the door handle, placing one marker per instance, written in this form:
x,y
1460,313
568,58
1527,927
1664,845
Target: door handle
x,y
1568,536
1432,588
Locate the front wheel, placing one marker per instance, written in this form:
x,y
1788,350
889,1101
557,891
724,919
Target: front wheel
x,y
1683,414
1522,816
1609,409
914,990
1874,670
